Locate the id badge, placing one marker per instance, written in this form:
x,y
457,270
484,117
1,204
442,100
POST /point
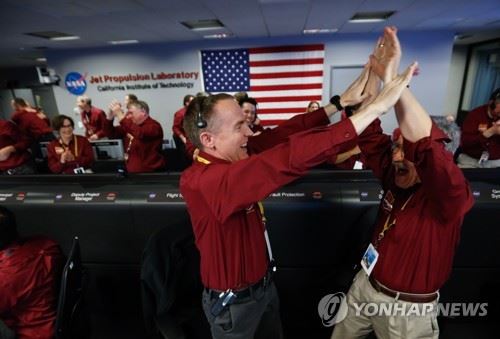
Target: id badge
x,y
369,259
80,124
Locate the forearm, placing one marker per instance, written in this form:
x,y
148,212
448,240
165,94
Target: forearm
x,y
414,121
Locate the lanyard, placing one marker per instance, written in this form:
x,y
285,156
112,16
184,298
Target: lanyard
x,y
387,225
75,141
261,209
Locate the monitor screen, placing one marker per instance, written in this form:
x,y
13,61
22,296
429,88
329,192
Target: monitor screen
x,y
108,149
43,148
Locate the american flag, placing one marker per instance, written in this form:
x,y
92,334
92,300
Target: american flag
x,y
283,79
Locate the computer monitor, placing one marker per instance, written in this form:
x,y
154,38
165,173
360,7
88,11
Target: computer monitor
x,y
43,148
107,149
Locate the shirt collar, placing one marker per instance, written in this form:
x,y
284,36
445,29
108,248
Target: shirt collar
x,y
212,159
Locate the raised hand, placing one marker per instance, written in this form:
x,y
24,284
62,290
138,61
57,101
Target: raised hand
x,y
387,55
353,95
392,90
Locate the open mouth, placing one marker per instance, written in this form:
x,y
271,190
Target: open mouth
x,y
401,169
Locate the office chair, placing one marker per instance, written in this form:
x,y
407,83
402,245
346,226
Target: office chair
x,y
69,309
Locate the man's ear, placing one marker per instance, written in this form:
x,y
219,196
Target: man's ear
x,y
207,140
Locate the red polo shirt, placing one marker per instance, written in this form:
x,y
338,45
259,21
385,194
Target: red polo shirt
x,y
29,275
222,198
177,127
81,149
416,254
141,142
30,124
11,136
94,122
473,142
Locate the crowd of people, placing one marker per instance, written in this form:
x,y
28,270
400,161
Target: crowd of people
x,y
224,137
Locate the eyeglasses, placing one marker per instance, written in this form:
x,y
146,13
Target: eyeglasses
x,y
69,125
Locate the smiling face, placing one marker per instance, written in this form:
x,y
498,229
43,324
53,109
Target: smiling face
x,y
405,172
66,130
228,134
249,111
313,106
136,113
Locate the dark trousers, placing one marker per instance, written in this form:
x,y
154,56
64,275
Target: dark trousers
x,y
256,316
5,332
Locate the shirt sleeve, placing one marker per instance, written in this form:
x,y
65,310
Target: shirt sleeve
x,y
101,133
471,137
272,137
443,181
148,130
228,188
177,126
54,159
376,150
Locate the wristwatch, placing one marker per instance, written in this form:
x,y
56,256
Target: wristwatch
x,y
335,100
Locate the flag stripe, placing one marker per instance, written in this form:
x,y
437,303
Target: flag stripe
x,y
285,87
281,116
284,99
284,105
286,75
287,81
280,49
281,110
306,93
291,55
286,68
285,62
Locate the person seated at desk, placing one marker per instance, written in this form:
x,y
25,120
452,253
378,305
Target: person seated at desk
x,y
29,271
70,153
142,136
14,155
480,142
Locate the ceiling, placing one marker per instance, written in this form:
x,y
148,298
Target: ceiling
x,y
100,21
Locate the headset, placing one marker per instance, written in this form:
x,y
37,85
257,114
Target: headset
x,y
200,122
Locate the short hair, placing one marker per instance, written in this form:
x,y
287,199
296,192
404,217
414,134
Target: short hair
x,y
240,95
85,99
8,227
58,121
187,99
204,107
132,97
247,99
20,102
141,105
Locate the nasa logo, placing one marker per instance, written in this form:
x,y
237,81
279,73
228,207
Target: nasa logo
x,y
75,83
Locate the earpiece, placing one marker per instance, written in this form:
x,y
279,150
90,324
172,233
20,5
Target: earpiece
x,y
200,122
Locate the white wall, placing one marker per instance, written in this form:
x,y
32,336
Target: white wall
x,y
431,49
455,78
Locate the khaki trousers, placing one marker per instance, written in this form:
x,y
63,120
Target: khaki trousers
x,y
361,321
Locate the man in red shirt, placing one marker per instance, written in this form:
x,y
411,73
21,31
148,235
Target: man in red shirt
x,y
481,135
93,118
29,271
418,226
30,123
142,136
177,129
240,300
14,155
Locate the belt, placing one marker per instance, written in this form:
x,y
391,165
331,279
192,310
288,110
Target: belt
x,y
414,298
243,293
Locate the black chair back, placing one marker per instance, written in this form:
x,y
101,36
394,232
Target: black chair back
x,y
70,295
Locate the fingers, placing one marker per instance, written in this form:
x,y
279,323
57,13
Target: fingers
x,y
408,73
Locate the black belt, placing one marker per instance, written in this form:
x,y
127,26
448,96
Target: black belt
x,y
245,292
